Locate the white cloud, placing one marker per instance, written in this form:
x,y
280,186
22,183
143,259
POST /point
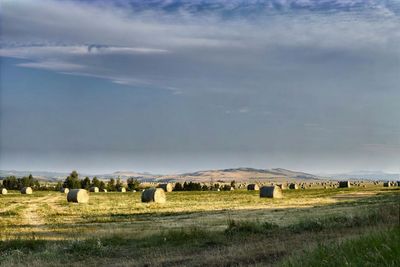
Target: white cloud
x,y
198,51
52,65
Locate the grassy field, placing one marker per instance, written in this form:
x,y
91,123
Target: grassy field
x,y
235,228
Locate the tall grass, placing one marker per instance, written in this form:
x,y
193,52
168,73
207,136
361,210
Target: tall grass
x,y
377,249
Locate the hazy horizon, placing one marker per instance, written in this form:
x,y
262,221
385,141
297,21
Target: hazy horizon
x,y
179,86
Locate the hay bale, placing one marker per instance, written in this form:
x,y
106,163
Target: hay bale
x,y
94,189
78,196
3,191
64,190
293,186
344,184
282,186
252,187
26,191
167,187
122,189
154,195
271,192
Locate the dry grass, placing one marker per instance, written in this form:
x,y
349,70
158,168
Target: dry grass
x,y
128,231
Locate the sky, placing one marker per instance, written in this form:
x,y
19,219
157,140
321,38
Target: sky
x,y
177,86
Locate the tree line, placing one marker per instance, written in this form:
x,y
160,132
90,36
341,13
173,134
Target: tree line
x,y
14,183
192,186
73,182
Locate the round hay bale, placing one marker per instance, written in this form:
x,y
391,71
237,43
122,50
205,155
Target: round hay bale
x,y
154,195
122,189
344,184
78,196
293,186
64,190
26,191
252,187
94,189
4,191
167,187
271,191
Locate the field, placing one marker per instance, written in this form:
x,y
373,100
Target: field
x,y
227,228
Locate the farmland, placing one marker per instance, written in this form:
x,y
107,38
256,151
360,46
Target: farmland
x,y
191,228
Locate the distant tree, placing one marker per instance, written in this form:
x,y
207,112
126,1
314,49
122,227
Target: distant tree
x,y
72,181
191,186
58,186
27,181
178,187
95,182
226,187
85,183
204,188
36,184
74,174
111,185
10,183
233,184
133,184
119,184
102,185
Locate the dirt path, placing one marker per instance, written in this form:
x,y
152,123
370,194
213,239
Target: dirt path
x,y
31,214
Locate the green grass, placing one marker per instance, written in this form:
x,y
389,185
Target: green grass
x,y
376,249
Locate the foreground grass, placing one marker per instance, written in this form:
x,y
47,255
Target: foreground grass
x,y
376,249
240,243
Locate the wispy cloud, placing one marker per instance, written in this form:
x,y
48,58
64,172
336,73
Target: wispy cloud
x,y
52,65
296,77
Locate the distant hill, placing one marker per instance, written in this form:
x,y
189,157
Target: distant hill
x,y
245,174
365,175
237,174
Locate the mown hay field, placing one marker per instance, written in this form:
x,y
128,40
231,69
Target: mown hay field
x,y
226,228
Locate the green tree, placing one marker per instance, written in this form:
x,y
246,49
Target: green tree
x,y
58,186
102,185
133,184
85,183
111,185
178,187
72,181
119,184
95,182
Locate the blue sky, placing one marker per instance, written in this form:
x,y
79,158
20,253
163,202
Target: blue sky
x,y
172,86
